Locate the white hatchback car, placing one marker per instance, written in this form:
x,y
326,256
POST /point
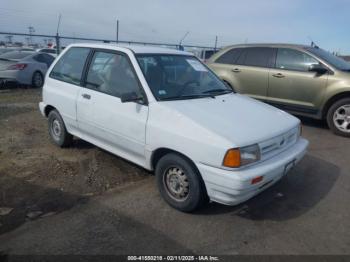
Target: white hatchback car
x,y
166,111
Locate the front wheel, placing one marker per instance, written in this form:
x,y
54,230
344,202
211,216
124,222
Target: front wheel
x,y
179,183
338,117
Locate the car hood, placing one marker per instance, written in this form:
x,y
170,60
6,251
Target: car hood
x,y
238,119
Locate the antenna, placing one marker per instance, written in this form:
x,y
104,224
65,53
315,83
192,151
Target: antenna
x,y
183,37
313,44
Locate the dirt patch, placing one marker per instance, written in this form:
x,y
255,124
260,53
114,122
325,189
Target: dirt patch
x,y
39,179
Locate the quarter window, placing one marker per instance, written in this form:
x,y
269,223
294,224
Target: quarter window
x,y
291,59
112,73
70,67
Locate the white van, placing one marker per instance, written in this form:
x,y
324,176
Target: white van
x,y
166,111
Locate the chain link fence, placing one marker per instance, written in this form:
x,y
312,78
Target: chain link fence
x,y
60,41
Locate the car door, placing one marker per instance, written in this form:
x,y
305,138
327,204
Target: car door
x,y
246,69
252,71
292,85
102,117
63,84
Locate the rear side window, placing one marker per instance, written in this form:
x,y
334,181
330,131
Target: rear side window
x,y
295,60
256,56
70,67
230,57
44,58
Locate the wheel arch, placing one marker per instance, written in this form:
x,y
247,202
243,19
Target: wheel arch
x,y
160,152
332,100
48,109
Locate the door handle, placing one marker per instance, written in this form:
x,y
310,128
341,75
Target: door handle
x,y
86,96
236,70
278,75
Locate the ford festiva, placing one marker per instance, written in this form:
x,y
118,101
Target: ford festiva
x,y
165,111
304,80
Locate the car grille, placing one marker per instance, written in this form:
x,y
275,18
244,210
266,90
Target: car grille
x,y
278,144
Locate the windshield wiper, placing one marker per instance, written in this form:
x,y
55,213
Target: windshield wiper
x,y
218,91
4,59
185,97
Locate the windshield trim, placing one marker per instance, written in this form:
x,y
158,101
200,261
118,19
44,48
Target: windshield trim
x,y
184,55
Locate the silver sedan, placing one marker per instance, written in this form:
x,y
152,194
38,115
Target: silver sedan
x,y
24,67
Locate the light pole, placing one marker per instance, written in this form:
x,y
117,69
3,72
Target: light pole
x,y
117,32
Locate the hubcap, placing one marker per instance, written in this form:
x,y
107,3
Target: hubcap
x,y
176,183
56,128
38,81
341,118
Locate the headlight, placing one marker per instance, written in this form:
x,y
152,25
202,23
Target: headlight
x,y
237,157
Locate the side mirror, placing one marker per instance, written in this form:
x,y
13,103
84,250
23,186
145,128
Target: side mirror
x,y
318,68
131,97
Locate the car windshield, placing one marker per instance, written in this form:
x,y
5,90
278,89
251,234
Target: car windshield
x,y
333,60
15,55
174,77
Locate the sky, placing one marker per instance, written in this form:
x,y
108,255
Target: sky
x,y
167,21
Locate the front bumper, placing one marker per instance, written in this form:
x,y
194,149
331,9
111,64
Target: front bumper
x,y
42,106
231,187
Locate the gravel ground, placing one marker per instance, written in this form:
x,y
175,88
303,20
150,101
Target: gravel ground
x,y
36,176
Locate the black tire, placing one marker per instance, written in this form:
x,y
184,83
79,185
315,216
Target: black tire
x,y
57,130
334,125
196,194
37,79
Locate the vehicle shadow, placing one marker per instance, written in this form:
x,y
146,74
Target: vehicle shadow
x,y
81,144
30,202
88,228
313,122
302,189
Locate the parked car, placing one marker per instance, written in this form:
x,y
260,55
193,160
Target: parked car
x,y
205,54
4,50
303,80
165,111
24,67
51,51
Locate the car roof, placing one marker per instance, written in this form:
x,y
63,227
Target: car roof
x,y
137,49
269,45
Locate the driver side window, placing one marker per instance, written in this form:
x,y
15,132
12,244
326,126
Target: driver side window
x,y
112,74
290,59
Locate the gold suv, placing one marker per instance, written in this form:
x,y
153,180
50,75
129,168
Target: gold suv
x,y
304,80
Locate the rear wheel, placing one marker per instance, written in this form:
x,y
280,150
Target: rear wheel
x,y
37,79
338,117
57,130
179,183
